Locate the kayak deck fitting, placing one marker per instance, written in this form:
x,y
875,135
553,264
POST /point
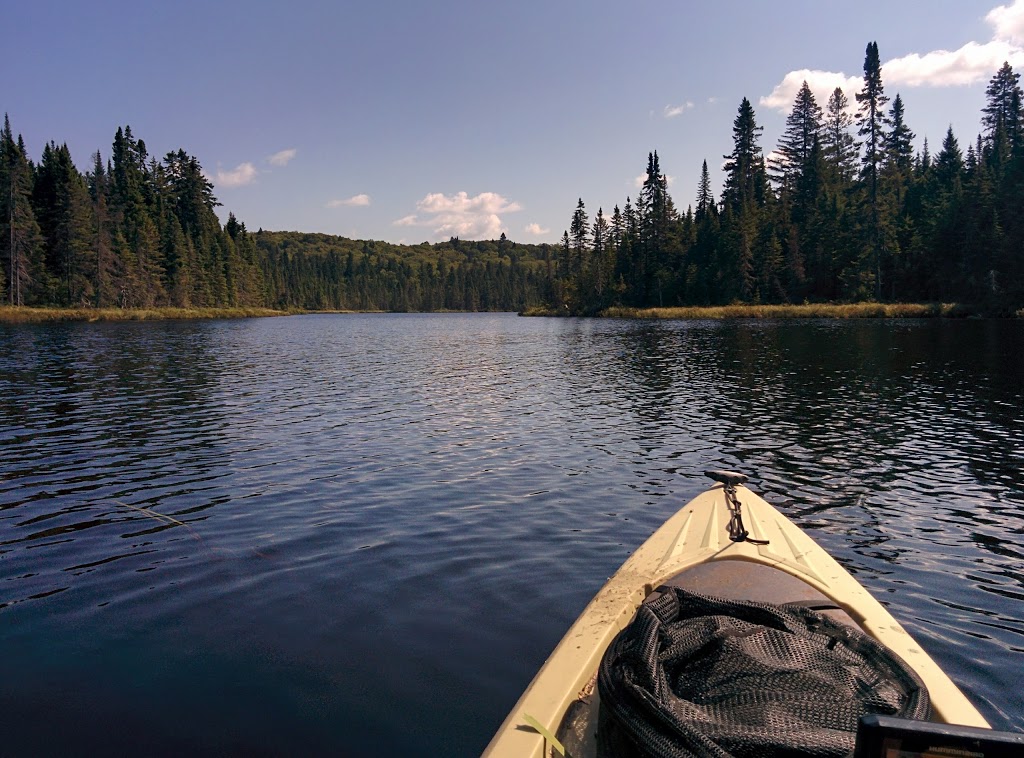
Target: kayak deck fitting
x,y
729,543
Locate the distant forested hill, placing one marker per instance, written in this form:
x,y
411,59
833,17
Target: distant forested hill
x,y
323,272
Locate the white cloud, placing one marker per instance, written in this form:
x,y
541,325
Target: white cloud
x,y
360,200
822,84
282,157
942,68
671,111
537,230
241,175
638,181
971,63
460,215
1008,22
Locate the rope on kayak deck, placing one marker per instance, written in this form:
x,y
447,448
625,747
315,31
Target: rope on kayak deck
x,y
737,533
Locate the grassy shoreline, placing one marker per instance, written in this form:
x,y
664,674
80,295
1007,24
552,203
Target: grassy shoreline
x,y
28,315
25,315
805,310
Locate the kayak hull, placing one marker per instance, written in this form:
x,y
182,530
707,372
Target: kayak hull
x,y
695,549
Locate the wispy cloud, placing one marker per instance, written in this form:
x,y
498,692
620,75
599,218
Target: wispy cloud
x,y
971,63
536,229
360,200
460,215
282,157
244,173
671,111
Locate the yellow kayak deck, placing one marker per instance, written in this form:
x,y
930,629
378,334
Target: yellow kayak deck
x,y
697,534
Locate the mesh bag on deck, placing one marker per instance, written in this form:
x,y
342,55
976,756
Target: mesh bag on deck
x,y
694,675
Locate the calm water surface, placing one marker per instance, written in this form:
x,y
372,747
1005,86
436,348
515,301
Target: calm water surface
x,y
361,535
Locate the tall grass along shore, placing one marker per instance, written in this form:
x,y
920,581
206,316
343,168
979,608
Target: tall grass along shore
x,y
805,310
24,315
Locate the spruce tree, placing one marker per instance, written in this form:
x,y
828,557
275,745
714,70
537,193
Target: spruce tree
x,y
657,238
743,198
20,237
871,121
899,142
579,229
947,221
1002,116
105,268
746,181
62,207
599,258
137,238
705,198
565,263
803,128
839,148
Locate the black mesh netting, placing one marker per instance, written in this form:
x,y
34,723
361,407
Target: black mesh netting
x,y
694,675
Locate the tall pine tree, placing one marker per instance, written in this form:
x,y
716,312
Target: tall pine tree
x,y
871,122
839,148
20,238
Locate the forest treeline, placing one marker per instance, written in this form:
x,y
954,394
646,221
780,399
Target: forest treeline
x,y
844,209
135,232
324,272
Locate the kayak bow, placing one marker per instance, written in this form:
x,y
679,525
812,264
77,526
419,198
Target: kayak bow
x,y
726,542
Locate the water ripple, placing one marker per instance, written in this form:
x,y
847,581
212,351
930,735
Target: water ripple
x,y
359,528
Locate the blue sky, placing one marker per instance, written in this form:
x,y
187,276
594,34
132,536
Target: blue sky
x,y
413,121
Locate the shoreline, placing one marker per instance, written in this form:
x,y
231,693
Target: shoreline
x,y
802,311
10,314
33,315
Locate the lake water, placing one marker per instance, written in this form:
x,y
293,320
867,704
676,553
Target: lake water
x,y
361,535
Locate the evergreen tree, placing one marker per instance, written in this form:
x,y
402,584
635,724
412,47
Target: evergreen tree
x,y
600,268
1002,115
625,260
705,198
579,229
838,145
616,229
104,269
746,180
137,238
983,234
20,236
871,121
657,238
744,195
947,221
803,129
62,207
565,264
899,142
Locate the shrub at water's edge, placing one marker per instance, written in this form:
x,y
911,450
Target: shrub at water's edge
x,y
805,310
24,315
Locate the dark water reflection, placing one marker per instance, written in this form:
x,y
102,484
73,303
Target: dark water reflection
x,y
362,534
